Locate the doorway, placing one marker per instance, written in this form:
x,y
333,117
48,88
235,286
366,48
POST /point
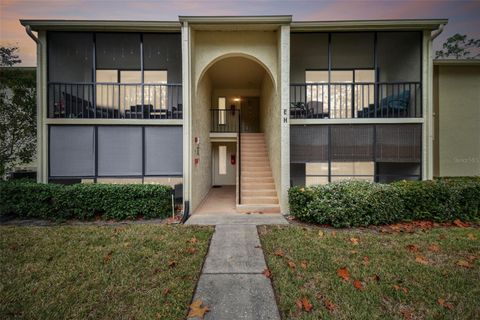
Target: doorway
x,y
250,113
224,163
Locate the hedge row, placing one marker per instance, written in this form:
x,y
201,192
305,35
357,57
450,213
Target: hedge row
x,y
356,203
84,201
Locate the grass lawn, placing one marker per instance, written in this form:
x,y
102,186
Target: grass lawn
x,y
400,275
91,272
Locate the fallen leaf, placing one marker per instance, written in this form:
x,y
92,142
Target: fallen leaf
x,y
413,248
166,291
459,223
421,259
375,278
258,247
471,258
307,306
291,265
279,253
366,260
407,314
267,273
343,273
358,284
172,263
445,304
354,241
334,233
193,240
321,233
471,236
107,257
397,287
196,310
434,248
329,305
298,302
304,264
191,250
464,264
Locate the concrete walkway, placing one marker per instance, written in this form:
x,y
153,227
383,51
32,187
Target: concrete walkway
x,y
232,283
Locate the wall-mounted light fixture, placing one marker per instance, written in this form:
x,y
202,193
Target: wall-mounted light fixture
x,y
236,99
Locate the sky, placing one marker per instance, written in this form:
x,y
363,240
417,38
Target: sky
x,y
463,15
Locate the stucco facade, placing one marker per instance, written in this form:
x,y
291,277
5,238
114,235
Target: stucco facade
x,y
277,54
457,117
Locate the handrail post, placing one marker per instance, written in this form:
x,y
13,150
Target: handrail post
x,y
239,130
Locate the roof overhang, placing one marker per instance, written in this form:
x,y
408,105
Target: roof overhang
x,y
456,62
102,25
236,23
368,25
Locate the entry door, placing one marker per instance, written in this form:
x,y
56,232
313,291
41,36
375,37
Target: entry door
x,y
250,114
224,166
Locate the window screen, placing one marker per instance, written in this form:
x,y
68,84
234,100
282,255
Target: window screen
x,y
118,51
308,143
352,143
72,151
398,143
307,51
353,50
163,150
70,57
163,51
119,151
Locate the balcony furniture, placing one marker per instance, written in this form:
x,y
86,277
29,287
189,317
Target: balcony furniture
x,y
309,110
139,111
393,106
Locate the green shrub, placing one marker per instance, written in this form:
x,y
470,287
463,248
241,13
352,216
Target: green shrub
x,y
356,203
84,201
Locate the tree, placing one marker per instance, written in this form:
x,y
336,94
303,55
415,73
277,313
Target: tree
x,y
9,56
458,46
17,112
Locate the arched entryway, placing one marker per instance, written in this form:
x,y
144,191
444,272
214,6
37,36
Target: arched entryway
x,y
235,123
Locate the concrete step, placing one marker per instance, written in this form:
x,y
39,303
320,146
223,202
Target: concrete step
x,y
256,180
247,192
249,185
259,174
246,168
259,200
258,208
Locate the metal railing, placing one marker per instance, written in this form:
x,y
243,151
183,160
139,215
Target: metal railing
x,y
355,100
115,101
225,120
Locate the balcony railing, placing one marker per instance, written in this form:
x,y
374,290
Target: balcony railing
x,y
225,120
355,100
115,101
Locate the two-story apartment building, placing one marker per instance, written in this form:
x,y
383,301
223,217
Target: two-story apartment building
x,y
256,103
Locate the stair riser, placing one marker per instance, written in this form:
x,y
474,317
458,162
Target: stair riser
x,y
246,200
248,186
259,192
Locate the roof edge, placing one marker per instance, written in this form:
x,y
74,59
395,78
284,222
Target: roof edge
x,y
347,25
101,25
456,62
266,19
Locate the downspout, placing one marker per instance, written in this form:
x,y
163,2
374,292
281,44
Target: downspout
x,y
437,32
40,173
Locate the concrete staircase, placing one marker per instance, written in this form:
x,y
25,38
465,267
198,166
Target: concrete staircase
x,y
258,192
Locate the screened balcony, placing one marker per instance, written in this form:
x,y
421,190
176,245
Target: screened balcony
x,y
114,75
356,75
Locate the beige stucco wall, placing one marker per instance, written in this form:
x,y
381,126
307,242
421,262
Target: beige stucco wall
x,y
270,126
202,173
457,93
210,46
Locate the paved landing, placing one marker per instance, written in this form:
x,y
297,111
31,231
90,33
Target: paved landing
x,y
232,284
237,218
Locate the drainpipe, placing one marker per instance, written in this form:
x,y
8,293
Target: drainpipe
x,y
436,33
40,177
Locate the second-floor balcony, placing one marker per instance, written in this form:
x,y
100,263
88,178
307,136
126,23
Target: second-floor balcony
x,y
115,101
355,100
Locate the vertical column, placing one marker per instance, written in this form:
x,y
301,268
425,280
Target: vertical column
x,y
427,106
284,92
186,83
42,127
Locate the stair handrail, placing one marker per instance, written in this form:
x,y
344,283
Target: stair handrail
x,y
239,130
